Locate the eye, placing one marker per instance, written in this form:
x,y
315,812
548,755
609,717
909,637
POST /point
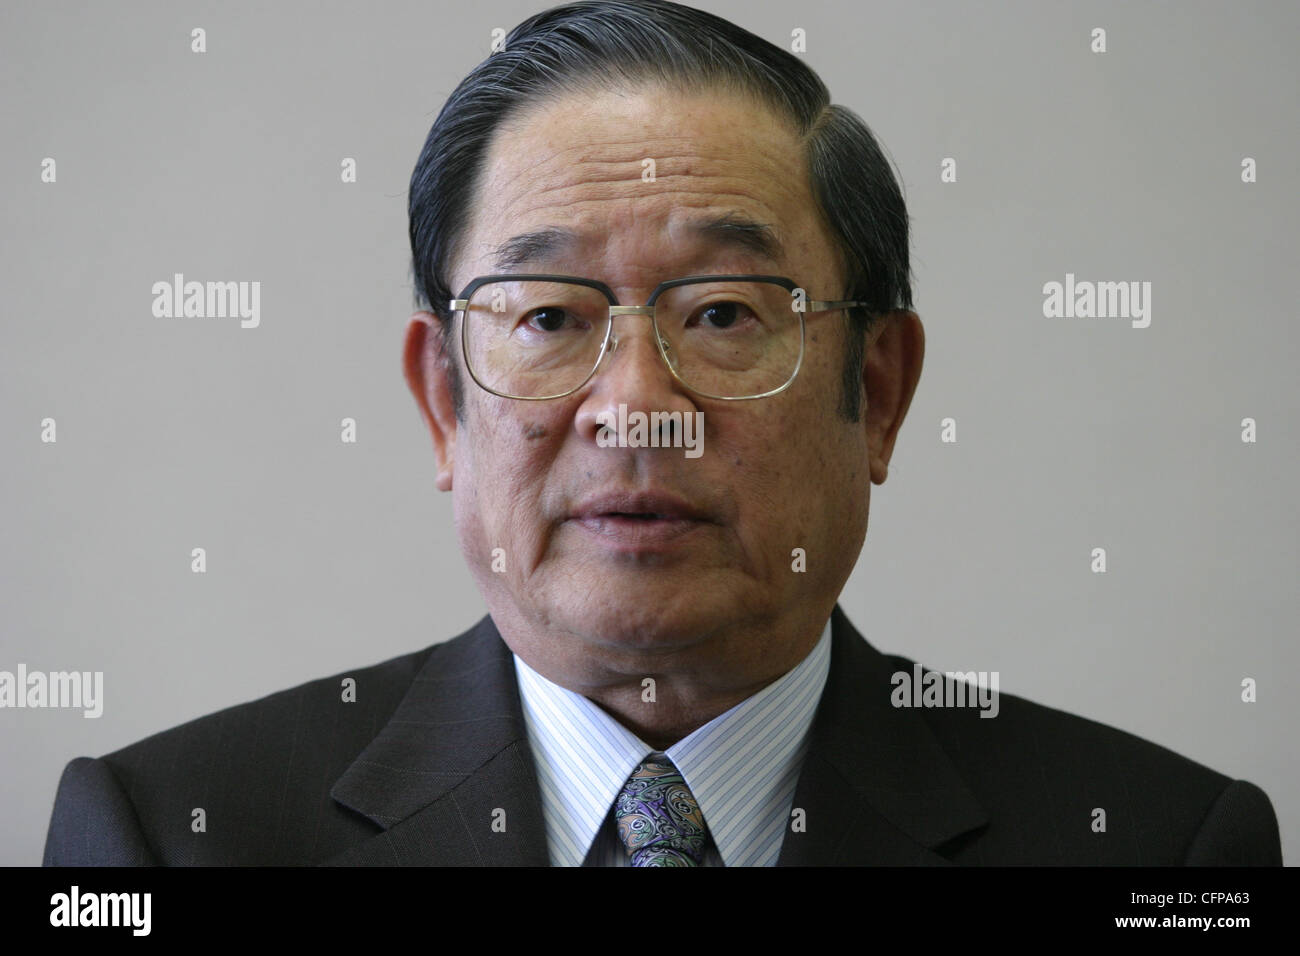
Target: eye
x,y
722,315
547,318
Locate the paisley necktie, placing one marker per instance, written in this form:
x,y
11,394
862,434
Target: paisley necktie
x,y
658,819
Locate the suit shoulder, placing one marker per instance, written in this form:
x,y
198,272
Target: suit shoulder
x,y
318,703
1090,791
251,784
246,785
1054,735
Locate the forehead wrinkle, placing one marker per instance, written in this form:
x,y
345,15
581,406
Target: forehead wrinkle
x,y
676,212
655,145
735,193
559,173
553,204
597,224
618,180
621,161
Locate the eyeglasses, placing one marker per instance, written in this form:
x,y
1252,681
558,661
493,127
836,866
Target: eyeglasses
x,y
730,337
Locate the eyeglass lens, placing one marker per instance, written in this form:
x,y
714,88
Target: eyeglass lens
x,y
542,338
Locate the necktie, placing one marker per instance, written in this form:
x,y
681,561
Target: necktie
x,y
658,819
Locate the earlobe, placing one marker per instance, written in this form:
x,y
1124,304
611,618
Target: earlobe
x,y
429,379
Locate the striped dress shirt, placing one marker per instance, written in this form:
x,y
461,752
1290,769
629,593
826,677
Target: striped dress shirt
x,y
742,766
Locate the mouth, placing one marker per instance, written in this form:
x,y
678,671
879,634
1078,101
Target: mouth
x,y
639,522
621,517
648,506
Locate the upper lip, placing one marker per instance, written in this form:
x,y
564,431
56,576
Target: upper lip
x,y
659,504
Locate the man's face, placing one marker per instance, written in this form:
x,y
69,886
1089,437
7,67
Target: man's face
x,y
590,595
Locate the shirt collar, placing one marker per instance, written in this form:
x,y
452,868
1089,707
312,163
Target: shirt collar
x,y
741,766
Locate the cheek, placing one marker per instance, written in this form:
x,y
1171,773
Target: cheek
x,y
770,460
799,466
501,479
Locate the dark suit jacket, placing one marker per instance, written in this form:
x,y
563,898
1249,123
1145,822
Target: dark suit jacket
x,y
413,770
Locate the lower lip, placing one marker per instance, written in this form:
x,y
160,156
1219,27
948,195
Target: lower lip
x,y
639,534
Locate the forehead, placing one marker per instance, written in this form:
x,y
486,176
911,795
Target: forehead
x,y
645,183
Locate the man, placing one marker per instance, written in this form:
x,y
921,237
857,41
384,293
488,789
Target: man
x,y
661,457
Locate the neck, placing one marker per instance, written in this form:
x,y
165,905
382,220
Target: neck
x,y
663,695
673,714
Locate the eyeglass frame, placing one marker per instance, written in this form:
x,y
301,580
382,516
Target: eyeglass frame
x,y
461,304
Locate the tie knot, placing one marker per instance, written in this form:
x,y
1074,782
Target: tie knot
x,y
659,820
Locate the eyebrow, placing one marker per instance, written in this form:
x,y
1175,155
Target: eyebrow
x,y
532,247
730,232
743,235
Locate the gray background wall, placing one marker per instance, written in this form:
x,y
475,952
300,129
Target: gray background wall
x,y
322,556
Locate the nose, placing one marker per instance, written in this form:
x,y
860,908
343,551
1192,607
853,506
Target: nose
x,y
638,310
632,373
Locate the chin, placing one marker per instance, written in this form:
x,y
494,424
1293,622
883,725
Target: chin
x,y
643,621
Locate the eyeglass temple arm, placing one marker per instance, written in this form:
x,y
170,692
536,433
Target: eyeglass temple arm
x,y
816,305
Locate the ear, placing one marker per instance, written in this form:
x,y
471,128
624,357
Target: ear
x,y
891,368
428,375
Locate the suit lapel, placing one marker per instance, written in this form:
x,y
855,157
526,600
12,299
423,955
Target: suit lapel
x,y
876,788
450,778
